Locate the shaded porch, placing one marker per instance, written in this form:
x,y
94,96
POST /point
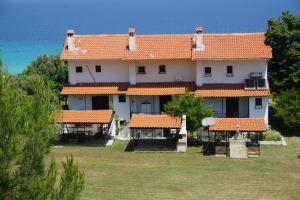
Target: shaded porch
x,y
155,132
218,138
85,126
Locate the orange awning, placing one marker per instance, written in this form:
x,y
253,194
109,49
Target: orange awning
x,y
84,116
154,121
95,89
229,90
152,89
163,88
245,124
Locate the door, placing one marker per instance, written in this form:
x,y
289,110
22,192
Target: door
x,y
100,102
146,107
163,100
232,107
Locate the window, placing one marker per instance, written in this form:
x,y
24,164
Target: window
x,y
258,103
78,69
162,69
207,71
98,68
229,71
141,70
122,98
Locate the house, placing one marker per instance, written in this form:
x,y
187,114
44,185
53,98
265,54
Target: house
x,y
137,74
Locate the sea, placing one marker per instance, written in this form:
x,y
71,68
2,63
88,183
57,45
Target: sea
x,y
29,28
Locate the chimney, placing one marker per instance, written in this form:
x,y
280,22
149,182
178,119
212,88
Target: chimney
x,y
199,39
132,39
71,40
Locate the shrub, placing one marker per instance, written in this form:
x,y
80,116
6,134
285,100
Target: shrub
x,y
287,109
272,135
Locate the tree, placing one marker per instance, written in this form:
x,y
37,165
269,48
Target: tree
x,y
27,127
287,107
283,35
193,107
54,69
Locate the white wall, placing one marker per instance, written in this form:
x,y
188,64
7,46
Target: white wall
x,y
261,112
185,69
241,70
122,109
111,71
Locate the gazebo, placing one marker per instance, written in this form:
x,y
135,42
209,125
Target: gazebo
x,y
86,122
155,132
217,136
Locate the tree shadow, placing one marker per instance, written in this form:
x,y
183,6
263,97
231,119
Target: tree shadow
x,y
277,125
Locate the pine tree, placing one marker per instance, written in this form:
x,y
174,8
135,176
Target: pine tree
x,y
27,128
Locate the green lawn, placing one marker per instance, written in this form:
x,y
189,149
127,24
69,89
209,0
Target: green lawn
x,y
111,173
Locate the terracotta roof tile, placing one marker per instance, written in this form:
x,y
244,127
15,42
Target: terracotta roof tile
x,y
163,88
97,47
229,90
245,124
149,89
150,47
84,116
154,121
234,46
169,46
94,89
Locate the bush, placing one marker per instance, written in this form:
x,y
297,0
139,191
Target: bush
x,y
287,109
272,135
191,106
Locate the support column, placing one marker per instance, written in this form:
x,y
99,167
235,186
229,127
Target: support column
x,y
182,143
132,73
199,73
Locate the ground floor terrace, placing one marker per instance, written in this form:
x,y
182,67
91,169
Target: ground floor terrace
x,y
157,133
111,173
85,126
233,137
226,100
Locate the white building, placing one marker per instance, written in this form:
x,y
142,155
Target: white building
x,y
134,74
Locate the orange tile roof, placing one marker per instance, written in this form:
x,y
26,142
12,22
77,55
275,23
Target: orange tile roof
x,y
140,89
84,116
97,47
163,88
150,47
229,90
169,46
94,89
245,124
154,121
234,46
149,89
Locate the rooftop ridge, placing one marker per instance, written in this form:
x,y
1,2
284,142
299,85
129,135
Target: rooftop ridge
x,y
171,34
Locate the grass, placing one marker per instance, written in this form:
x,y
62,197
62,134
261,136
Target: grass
x,y
111,173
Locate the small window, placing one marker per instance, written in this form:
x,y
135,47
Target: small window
x,y
162,69
258,103
122,98
141,70
78,69
207,71
229,71
98,68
